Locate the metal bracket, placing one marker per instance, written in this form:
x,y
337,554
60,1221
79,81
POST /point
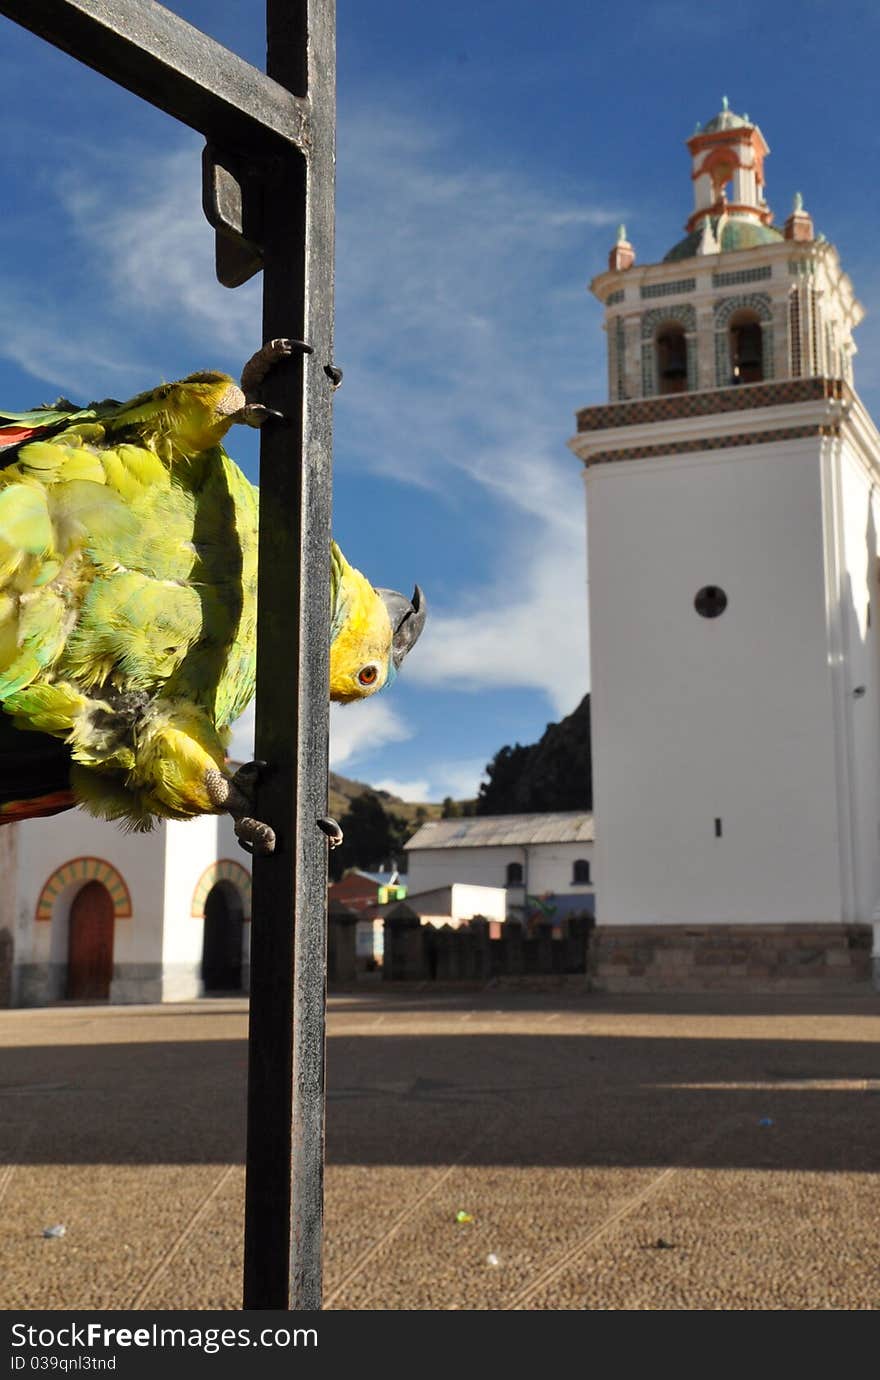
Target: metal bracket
x,y
232,199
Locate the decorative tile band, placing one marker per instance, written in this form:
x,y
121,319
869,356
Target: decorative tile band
x,y
224,870
680,312
667,289
742,275
753,438
84,870
743,398
758,302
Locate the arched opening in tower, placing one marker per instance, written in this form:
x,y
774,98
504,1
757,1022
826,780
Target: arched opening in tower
x,y
746,347
671,359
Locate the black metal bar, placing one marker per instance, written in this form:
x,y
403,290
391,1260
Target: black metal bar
x,y
284,1194
151,51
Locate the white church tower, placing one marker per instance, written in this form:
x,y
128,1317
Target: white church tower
x,y
733,509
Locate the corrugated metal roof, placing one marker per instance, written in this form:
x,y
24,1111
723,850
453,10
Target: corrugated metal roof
x,y
496,831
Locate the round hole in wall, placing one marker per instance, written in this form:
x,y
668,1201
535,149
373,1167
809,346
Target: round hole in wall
x,y
710,601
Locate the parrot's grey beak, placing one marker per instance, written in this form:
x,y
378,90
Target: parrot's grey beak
x,y
407,619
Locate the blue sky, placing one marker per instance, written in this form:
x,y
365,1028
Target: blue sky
x,y
486,153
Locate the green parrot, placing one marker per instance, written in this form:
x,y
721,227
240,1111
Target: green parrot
x,y
128,577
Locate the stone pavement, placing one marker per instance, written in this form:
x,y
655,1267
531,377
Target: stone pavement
x,y
628,1153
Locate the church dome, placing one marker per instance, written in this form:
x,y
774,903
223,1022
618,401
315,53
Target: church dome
x,y
725,119
736,234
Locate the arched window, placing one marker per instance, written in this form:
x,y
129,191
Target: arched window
x,y
514,874
671,346
746,347
581,873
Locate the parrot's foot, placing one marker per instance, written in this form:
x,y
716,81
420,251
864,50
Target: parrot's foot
x,y
329,827
255,414
259,365
235,796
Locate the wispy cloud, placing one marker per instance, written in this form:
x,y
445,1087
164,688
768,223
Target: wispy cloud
x,y
405,790
366,727
154,253
529,633
354,729
456,307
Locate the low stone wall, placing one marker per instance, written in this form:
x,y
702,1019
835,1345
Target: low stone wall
x,y
417,951
743,958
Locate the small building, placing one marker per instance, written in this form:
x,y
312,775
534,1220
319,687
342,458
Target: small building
x,y
364,894
458,902
97,914
530,856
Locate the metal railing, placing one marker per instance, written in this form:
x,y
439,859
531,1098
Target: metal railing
x,y
268,180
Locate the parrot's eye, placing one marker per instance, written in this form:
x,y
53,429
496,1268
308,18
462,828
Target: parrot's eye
x,y
368,675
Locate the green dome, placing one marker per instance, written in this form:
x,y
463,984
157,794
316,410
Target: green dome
x,y
725,119
737,234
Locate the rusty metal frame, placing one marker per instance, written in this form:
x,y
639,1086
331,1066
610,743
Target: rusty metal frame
x,y
269,193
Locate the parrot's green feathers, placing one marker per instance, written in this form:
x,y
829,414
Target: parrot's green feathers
x,y
128,582
25,526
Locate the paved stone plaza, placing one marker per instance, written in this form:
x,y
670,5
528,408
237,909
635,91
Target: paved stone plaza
x,y
614,1153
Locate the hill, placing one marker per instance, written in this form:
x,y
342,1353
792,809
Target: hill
x,y
343,791
553,774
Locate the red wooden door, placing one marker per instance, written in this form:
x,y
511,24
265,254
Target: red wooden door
x,y
90,951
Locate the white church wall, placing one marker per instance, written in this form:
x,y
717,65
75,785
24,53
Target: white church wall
x,y
190,848
861,688
701,719
51,866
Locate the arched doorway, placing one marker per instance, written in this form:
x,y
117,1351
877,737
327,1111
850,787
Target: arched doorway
x,y
221,946
90,944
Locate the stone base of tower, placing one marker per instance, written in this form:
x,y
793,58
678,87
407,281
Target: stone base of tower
x,y
731,958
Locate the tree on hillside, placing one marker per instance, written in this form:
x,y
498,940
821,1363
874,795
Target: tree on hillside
x,y
552,774
373,837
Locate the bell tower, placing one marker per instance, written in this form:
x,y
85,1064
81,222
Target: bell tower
x,y
733,511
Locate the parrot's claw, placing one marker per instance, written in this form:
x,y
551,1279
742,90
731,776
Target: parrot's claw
x,y
235,796
255,414
254,836
268,355
329,827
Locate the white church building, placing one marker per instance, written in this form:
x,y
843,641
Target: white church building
x,y
91,913
733,510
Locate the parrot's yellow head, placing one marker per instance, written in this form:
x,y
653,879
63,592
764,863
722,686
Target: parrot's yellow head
x,y
192,416
371,632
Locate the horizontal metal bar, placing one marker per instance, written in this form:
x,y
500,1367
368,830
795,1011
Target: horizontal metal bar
x,y
151,51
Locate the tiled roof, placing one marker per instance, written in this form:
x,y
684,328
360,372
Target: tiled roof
x,y
496,831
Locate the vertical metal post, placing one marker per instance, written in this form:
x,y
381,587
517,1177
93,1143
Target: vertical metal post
x,y
276,130
284,1193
